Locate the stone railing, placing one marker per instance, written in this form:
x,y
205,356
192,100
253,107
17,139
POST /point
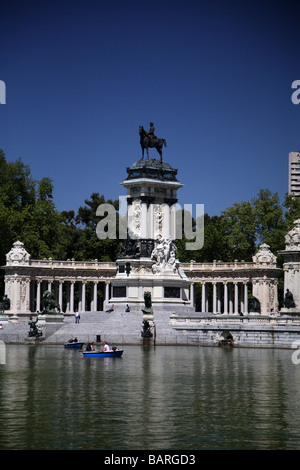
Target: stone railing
x,y
71,263
195,321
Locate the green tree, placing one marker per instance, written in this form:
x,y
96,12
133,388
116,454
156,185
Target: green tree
x,y
292,204
239,231
85,243
27,212
270,223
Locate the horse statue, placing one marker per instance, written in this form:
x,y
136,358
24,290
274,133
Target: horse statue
x,y
150,141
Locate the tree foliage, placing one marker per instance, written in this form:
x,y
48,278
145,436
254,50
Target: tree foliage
x,y
27,211
239,230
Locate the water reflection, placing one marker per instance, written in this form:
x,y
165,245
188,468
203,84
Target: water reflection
x,y
151,398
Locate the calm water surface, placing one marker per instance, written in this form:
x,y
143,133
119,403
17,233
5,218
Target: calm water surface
x,y
163,398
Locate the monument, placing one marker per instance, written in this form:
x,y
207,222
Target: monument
x,y
147,259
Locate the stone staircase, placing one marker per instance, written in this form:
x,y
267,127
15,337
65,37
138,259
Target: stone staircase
x,y
115,327
118,327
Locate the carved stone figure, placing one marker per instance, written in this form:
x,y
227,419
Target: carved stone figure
x,y
164,255
254,304
289,300
130,248
5,304
34,331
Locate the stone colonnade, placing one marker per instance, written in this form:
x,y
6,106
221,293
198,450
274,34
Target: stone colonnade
x,y
74,284
26,294
227,297
225,287
233,297
228,287
64,293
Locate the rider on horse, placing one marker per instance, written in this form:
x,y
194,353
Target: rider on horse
x,y
149,139
151,132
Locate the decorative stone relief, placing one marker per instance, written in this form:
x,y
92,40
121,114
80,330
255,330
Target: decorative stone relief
x,y
264,256
164,255
137,217
158,219
292,239
18,254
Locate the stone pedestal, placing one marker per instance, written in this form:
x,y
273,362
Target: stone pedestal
x,y
292,312
291,268
264,287
148,332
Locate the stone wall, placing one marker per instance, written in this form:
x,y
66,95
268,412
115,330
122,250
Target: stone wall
x,y
251,331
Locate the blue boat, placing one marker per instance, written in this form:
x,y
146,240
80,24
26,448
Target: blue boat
x,y
110,353
74,345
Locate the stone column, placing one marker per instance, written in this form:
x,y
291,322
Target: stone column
x,y
225,298
166,224
32,295
106,291
236,298
83,302
60,295
68,297
144,220
38,296
25,295
203,307
72,297
245,298
95,297
214,297
230,298
219,297
80,297
192,295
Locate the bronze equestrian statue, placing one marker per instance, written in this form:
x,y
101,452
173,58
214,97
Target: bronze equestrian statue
x,y
149,140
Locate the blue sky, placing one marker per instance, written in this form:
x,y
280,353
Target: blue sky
x,y
215,77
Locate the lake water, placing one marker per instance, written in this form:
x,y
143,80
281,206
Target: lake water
x,y
156,398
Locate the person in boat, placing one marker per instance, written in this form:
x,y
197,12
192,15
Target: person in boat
x,y
106,347
110,309
127,308
71,340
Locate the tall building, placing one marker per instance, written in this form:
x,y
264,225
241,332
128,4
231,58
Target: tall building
x,y
294,173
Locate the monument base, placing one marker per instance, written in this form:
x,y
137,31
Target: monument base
x,y
148,342
292,312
